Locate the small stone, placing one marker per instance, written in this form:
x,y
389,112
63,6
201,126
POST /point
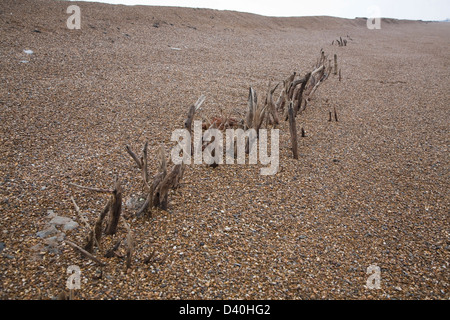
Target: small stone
x,y
51,214
38,247
51,242
47,232
70,226
67,223
2,246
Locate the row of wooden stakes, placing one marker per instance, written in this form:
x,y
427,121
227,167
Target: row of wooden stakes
x,y
296,91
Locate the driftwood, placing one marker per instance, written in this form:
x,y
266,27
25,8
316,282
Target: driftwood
x,y
130,243
95,235
170,181
90,239
273,113
149,259
335,65
294,94
92,189
322,58
281,102
255,113
85,253
335,115
112,252
341,42
82,218
115,204
317,77
252,102
299,97
163,181
155,189
221,123
134,156
144,162
293,130
150,187
190,118
115,209
194,108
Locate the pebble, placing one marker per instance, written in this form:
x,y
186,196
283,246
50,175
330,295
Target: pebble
x,y
67,223
47,232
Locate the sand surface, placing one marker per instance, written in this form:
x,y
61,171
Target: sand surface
x,y
371,189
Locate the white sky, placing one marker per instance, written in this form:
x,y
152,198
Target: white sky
x,y
400,9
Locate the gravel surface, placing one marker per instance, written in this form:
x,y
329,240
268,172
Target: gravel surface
x,y
371,189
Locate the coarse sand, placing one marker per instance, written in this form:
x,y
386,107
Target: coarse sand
x,y
369,190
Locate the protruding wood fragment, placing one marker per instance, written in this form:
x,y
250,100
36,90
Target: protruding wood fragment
x,y
335,65
293,130
85,253
115,209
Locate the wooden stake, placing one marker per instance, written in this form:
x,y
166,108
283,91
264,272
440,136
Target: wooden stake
x,y
251,108
335,115
130,243
169,181
77,209
95,235
111,252
335,65
272,108
155,189
134,156
115,209
145,164
299,97
293,130
195,107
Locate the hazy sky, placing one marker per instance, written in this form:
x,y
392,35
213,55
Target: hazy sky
x,y
400,9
